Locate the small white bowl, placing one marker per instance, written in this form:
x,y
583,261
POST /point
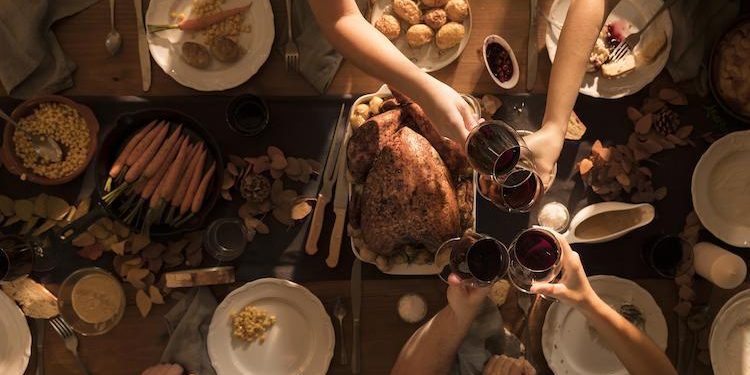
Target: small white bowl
x,y
511,83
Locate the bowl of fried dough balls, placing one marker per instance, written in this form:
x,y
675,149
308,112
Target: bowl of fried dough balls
x,y
431,33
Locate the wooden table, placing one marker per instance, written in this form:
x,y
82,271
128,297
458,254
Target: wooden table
x,y
82,37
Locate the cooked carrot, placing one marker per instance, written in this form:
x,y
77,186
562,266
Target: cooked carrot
x,y
202,22
195,180
154,181
136,169
172,170
120,161
186,176
156,161
143,144
168,186
201,193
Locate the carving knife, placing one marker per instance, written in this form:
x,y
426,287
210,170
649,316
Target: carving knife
x,y
356,295
143,53
328,178
531,56
340,203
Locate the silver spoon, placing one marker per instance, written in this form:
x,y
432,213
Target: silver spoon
x,y
46,148
340,312
114,40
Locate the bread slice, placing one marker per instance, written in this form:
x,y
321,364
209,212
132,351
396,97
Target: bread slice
x,y
619,68
35,300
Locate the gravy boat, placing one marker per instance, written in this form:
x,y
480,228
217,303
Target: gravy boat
x,y
647,215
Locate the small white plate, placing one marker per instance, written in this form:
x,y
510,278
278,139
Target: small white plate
x,y
300,343
637,13
15,338
166,46
729,341
720,188
571,346
428,57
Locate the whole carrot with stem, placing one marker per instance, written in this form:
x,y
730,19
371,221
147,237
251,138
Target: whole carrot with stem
x,y
193,186
136,170
119,163
157,161
165,186
134,156
200,195
200,23
184,181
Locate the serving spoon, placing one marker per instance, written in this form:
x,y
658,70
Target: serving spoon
x,y
114,40
45,148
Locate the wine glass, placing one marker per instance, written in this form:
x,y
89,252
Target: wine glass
x,y
535,258
477,259
494,148
518,191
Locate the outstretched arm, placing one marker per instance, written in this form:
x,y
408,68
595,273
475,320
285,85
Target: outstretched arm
x,y
582,25
433,347
635,349
368,49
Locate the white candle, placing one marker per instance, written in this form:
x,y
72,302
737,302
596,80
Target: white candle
x,y
724,269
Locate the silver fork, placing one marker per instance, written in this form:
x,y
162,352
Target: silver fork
x,y
69,337
291,51
340,312
628,44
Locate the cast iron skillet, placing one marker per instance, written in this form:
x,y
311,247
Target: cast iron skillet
x,y
124,128
713,72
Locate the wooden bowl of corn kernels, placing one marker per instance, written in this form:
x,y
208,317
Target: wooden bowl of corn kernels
x,y
72,125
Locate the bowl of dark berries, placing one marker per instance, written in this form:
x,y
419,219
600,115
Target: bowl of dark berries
x,y
500,61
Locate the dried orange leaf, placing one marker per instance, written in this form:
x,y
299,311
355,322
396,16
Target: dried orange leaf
x,y
139,241
672,96
155,295
84,239
238,161
118,247
643,125
684,131
634,115
6,206
303,208
143,301
227,182
317,167
226,195
278,160
262,228
40,205
24,209
283,215
91,252
293,167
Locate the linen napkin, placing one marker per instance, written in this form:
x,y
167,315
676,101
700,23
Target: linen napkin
x,y
187,323
485,338
318,61
696,25
33,62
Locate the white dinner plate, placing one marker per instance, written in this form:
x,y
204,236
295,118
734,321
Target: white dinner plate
x,y
166,46
720,189
300,343
15,338
428,57
571,346
637,13
729,341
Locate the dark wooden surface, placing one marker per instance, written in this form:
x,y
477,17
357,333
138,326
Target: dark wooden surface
x,y
303,130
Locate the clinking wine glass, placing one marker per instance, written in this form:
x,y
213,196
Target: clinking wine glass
x,y
478,260
535,258
518,191
494,148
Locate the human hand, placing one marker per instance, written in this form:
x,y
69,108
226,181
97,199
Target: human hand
x,y
465,301
447,110
504,365
546,145
574,287
164,369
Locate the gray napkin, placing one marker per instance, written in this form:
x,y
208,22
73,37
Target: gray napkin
x,y
485,338
696,26
188,323
318,61
33,62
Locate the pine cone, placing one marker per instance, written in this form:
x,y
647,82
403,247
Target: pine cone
x,y
666,121
255,188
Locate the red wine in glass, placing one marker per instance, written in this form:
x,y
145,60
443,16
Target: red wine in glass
x,y
477,259
494,148
536,257
517,193
16,258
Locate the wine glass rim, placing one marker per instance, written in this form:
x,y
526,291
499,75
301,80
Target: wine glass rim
x,y
512,249
687,255
475,130
503,252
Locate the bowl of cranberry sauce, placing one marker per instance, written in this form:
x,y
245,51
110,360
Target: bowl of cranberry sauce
x,y
500,61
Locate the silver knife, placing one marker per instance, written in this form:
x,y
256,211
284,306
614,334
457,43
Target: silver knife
x,y
143,52
340,202
39,344
324,196
531,56
356,294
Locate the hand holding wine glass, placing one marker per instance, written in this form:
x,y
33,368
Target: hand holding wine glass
x,y
504,365
465,301
573,287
